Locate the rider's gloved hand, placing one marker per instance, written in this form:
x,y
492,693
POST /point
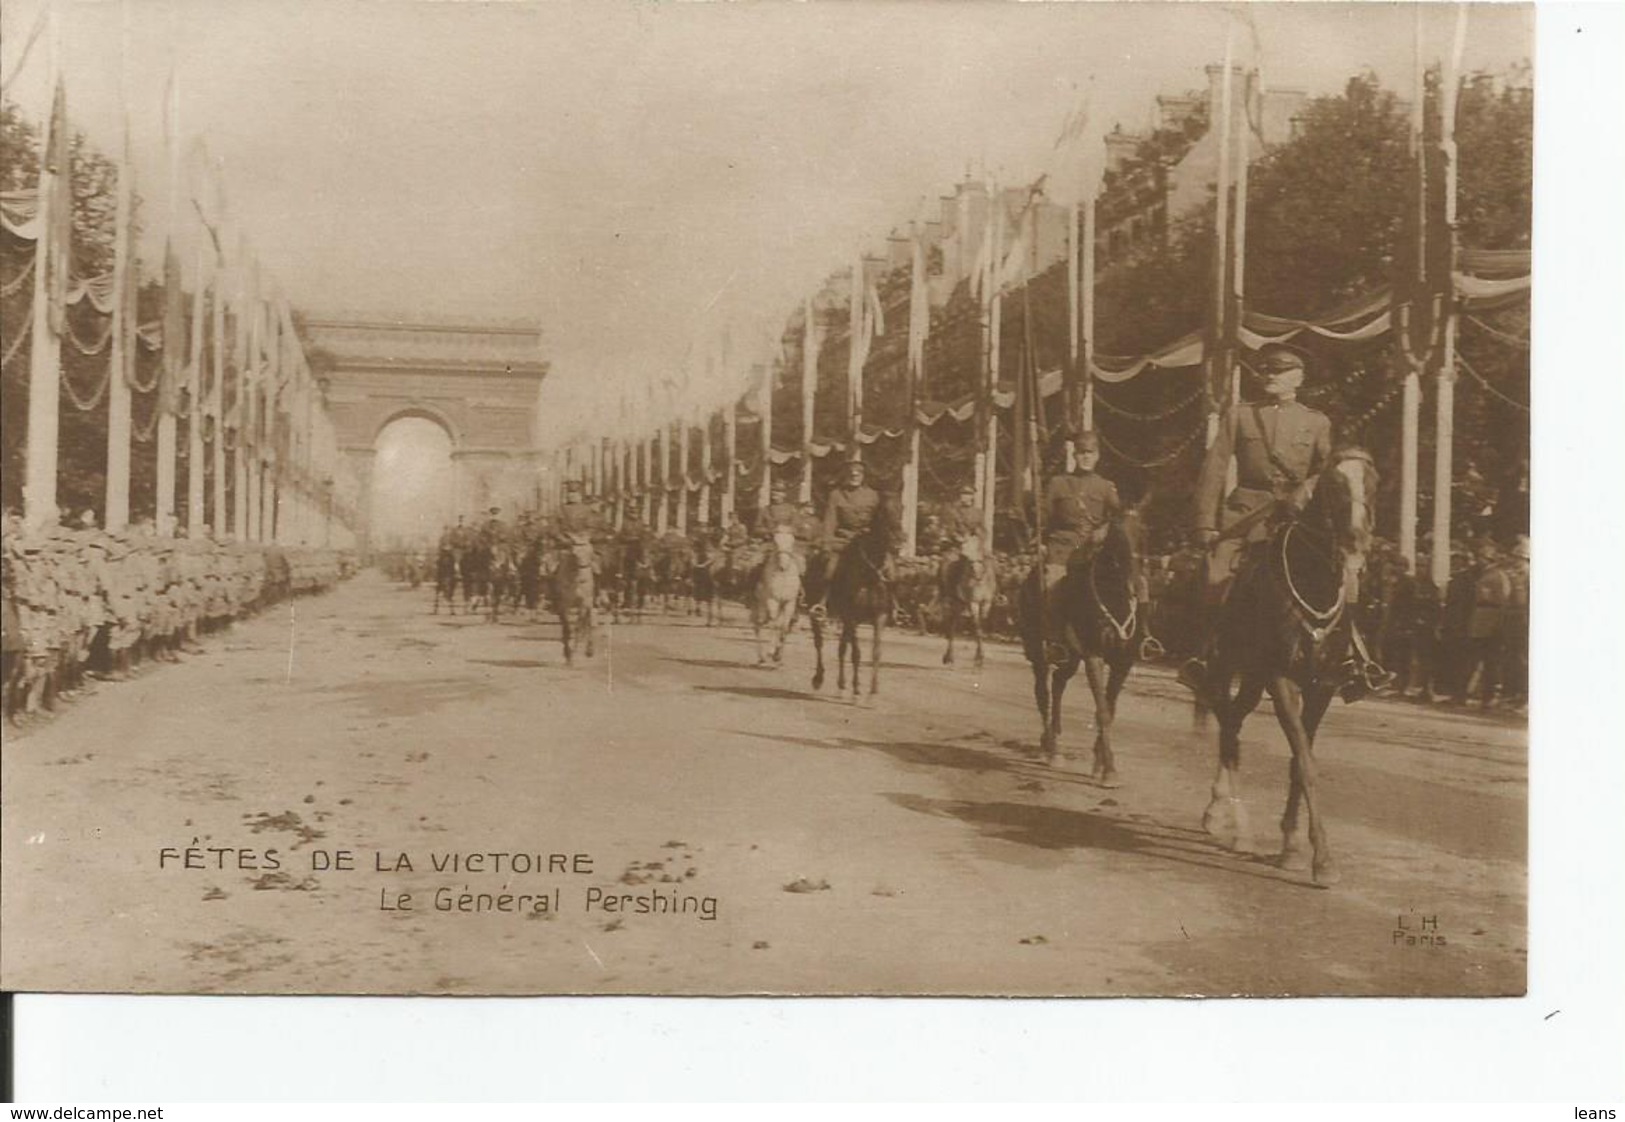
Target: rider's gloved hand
x,y
1206,538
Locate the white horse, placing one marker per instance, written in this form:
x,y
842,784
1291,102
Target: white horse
x,y
776,596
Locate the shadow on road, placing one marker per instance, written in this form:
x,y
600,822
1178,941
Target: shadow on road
x,y
512,663
1051,827
713,664
765,693
410,698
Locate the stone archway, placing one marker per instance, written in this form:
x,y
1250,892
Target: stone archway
x,y
413,490
477,381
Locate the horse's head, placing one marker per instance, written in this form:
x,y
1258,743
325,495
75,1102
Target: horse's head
x,y
1344,501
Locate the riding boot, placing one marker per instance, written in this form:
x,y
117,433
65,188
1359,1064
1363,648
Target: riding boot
x,y
1361,674
1193,673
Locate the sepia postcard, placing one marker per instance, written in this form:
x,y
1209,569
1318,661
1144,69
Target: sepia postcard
x,y
792,499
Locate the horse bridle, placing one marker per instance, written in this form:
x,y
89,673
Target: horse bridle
x,y
1124,627
1327,618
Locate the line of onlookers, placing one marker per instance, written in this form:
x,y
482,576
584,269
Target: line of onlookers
x,y
79,602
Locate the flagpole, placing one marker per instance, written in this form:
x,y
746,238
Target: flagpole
x,y
682,472
855,358
1087,373
45,341
809,396
1218,372
218,525
1416,284
919,315
995,347
241,404
730,450
1237,304
705,471
195,406
764,490
1447,365
116,515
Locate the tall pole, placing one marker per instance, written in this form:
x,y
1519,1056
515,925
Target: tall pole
x,y
730,440
705,471
51,258
243,358
1219,356
1237,304
1442,473
764,491
919,319
682,473
857,340
809,396
196,409
661,513
1411,401
990,469
117,514
217,408
1087,371
646,449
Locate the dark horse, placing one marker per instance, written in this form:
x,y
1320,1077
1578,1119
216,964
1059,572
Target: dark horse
x,y
858,593
1089,618
1285,629
447,567
574,596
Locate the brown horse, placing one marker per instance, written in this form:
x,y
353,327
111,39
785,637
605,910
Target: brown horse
x,y
1089,618
970,584
859,593
1285,629
573,596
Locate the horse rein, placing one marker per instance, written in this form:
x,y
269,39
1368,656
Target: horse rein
x,y
1326,618
1125,627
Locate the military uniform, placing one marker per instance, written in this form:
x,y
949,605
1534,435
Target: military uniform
x,y
1279,451
577,519
781,513
850,512
1078,511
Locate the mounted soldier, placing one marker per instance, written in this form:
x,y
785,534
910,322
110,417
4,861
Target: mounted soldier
x,y
1079,509
850,511
781,524
1279,447
960,534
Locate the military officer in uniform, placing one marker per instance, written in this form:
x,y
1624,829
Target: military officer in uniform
x,y
850,511
960,527
1079,508
1279,447
780,514
577,522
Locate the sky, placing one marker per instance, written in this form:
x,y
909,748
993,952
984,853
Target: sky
x,y
634,176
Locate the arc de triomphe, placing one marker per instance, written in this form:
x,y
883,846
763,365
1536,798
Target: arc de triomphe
x,y
477,381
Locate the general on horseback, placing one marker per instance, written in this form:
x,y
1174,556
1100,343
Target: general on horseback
x,y
851,581
1287,544
967,576
1079,605
775,585
574,578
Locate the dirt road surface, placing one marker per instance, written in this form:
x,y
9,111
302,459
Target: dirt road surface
x,y
909,844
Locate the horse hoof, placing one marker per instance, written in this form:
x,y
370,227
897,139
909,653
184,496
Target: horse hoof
x,y
818,682
978,662
947,660
1326,873
1293,859
1107,778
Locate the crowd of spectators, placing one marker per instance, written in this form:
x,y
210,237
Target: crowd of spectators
x,y
79,603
